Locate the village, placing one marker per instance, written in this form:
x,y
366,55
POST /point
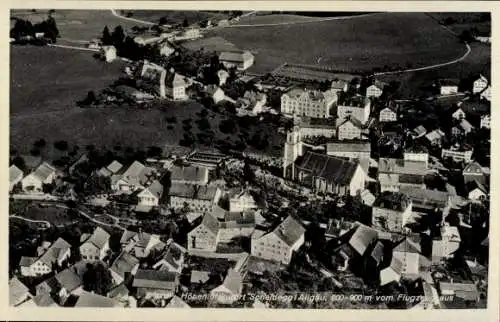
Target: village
x,y
374,201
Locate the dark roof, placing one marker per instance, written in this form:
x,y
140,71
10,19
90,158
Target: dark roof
x,y
378,252
411,178
348,147
362,237
211,223
334,169
124,263
290,230
407,246
155,279
448,82
392,200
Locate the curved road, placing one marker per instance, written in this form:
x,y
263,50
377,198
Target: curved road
x,y
116,14
45,222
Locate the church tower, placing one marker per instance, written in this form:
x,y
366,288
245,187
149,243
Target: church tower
x,y
293,149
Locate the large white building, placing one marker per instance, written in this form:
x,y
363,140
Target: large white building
x,y
310,103
357,107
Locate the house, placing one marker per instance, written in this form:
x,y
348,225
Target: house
x,y
458,153
391,273
123,266
460,290
447,86
408,252
310,103
196,175
216,93
480,84
18,292
349,128
44,300
253,101
141,244
96,246
223,76
64,284
87,299
15,176
458,114
375,90
223,23
394,181
435,137
474,172
485,121
55,256
486,94
418,132
391,211
356,107
230,290
367,197
151,196
134,178
426,199
172,259
280,243
157,75
199,277
388,114
351,150
463,128
205,235
189,33
339,85
242,60
242,201
476,190
155,285
196,198
445,245
313,127
177,303
209,160
175,86
109,53
354,244
166,49
43,175
329,174
112,169
120,294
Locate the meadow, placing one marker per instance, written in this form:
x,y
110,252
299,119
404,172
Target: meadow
x,y
360,43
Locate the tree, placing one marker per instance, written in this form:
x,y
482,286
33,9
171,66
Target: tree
x,y
163,21
40,144
185,23
19,162
61,145
248,173
118,37
106,38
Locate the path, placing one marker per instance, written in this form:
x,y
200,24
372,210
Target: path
x,y
304,21
45,222
116,14
73,47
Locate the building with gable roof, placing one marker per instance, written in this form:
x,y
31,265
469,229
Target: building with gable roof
x,y
391,211
196,198
141,244
57,254
64,284
480,84
389,113
204,236
123,265
172,259
349,128
33,182
134,178
375,89
280,243
15,176
18,292
96,246
302,102
151,195
113,168
474,172
242,60
198,175
242,201
155,285
357,107
230,290
87,299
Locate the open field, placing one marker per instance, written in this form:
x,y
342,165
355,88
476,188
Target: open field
x,y
361,43
465,21
273,18
78,24
413,84
175,17
54,215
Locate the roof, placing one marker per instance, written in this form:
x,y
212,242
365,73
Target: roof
x,y
69,279
467,291
420,130
155,188
407,246
174,255
14,173
120,290
339,84
44,300
199,276
355,101
114,166
124,263
289,231
44,171
163,279
401,166
137,173
334,169
378,252
233,281
426,196
212,89
392,200
178,80
350,119
348,147
235,56
473,168
98,238
361,238
189,173
27,261
211,223
177,302
16,290
87,299
52,255
466,126
435,135
191,191
396,265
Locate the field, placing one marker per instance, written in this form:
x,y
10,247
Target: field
x,y
54,215
78,24
175,17
360,43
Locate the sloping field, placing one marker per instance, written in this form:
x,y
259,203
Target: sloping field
x,y
360,43
273,18
178,16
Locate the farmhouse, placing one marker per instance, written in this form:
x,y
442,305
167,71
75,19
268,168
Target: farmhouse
x,y
140,244
151,195
376,89
204,236
391,211
123,265
55,256
34,182
155,285
134,178
15,176
64,284
242,60
309,103
479,85
447,86
197,198
96,246
175,86
357,107
349,128
280,243
389,114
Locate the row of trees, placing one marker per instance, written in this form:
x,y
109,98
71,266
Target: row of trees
x,y
25,29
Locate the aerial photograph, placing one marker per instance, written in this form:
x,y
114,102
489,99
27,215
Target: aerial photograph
x,y
249,159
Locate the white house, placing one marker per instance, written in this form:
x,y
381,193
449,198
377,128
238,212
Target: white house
x,y
18,292
485,121
96,246
242,60
216,93
44,174
57,254
447,86
242,201
280,243
166,49
123,265
349,128
459,114
222,75
15,176
375,90
109,53
486,94
357,107
479,84
303,102
447,244
388,114
176,87
391,211
134,178
151,195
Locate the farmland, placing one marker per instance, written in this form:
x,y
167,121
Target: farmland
x,y
392,39
178,16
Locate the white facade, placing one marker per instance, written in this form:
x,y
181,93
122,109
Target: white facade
x,y
242,202
358,180
476,194
91,252
394,220
459,114
146,198
417,157
348,131
485,121
448,89
270,247
457,156
388,115
307,103
362,113
479,84
486,94
374,91
109,53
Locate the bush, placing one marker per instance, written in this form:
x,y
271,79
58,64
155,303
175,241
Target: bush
x,y
227,126
61,145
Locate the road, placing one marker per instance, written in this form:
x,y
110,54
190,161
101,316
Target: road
x,y
116,14
45,222
73,47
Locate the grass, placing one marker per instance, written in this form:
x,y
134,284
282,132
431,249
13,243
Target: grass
x,y
178,16
359,43
54,215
